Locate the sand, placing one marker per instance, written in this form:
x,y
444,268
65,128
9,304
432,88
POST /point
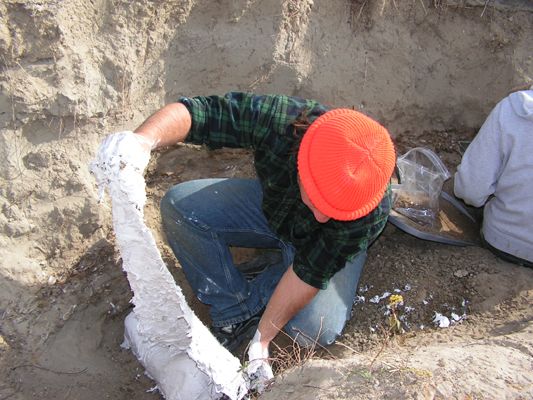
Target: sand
x,y
74,71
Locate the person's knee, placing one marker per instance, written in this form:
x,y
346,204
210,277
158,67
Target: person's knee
x,y
175,194
321,332
171,202
322,339
180,213
172,214
328,338
166,207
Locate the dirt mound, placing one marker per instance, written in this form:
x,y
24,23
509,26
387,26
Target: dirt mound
x,y
73,71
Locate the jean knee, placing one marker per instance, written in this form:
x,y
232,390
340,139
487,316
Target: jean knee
x,y
172,215
328,338
324,339
170,204
167,208
323,332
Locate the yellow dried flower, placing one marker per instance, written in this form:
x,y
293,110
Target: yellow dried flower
x,y
395,300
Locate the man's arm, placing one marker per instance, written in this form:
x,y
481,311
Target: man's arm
x,y
291,295
168,126
480,168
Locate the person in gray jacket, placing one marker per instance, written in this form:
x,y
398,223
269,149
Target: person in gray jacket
x,y
497,172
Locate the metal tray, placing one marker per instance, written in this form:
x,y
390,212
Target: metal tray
x,y
409,226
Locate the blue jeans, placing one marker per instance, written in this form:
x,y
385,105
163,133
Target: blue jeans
x,y
202,218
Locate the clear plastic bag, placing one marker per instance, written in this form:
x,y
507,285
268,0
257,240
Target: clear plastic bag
x,y
421,176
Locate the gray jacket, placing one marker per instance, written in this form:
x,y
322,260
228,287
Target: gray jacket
x,y
497,171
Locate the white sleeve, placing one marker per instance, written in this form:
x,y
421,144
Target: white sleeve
x,y
476,176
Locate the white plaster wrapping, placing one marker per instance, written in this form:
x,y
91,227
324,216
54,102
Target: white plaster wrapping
x,y
177,350
259,370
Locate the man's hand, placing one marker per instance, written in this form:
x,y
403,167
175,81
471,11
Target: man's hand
x,y
128,147
121,150
258,370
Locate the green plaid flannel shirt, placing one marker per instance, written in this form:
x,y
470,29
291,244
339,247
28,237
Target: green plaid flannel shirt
x,y
265,123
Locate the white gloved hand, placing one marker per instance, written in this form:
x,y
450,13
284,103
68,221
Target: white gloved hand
x,y
125,151
258,370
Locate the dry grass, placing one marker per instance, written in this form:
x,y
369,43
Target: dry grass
x,y
287,353
292,355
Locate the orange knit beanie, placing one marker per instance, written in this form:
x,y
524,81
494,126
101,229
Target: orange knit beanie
x,y
345,162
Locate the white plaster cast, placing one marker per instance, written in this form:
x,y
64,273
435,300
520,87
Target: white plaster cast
x,y
176,349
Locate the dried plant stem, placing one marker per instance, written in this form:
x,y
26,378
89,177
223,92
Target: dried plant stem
x,y
49,370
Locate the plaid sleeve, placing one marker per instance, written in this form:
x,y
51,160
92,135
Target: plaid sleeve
x,y
315,264
232,120
243,119
319,256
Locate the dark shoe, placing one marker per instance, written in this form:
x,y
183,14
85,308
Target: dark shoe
x,y
232,336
